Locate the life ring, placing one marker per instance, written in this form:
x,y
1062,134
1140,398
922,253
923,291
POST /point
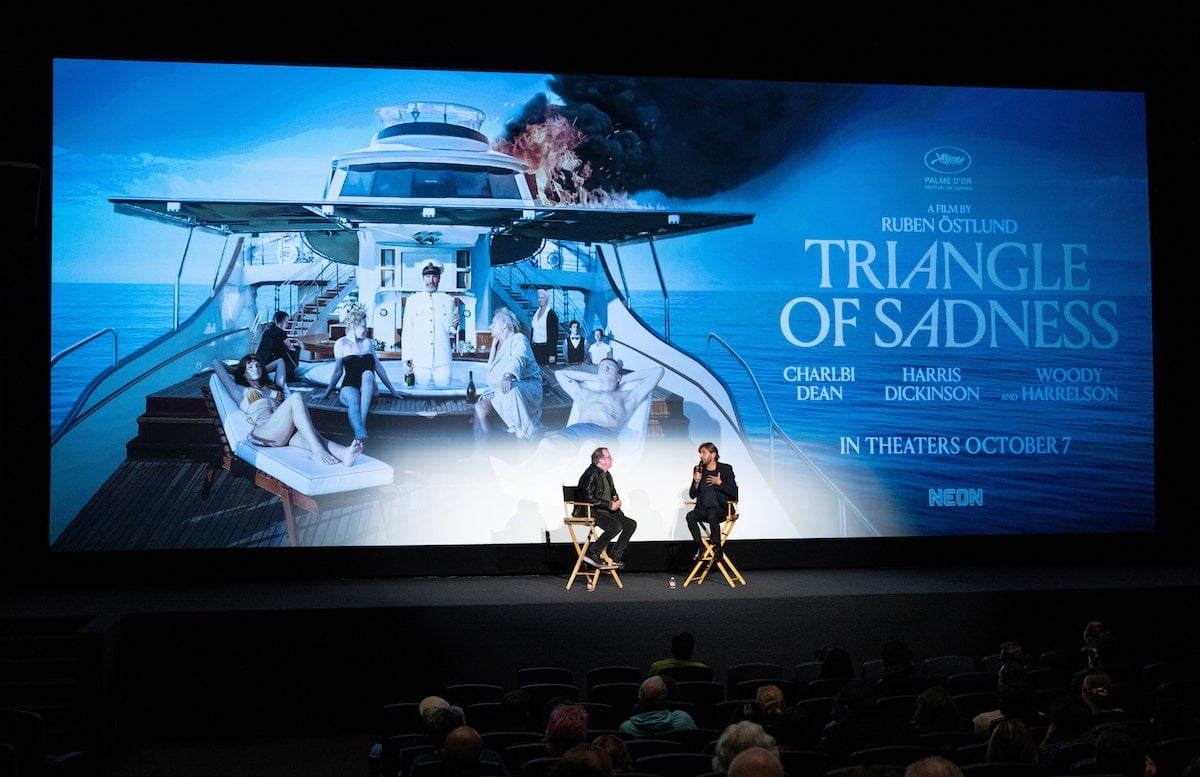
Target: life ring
x,y
288,253
555,260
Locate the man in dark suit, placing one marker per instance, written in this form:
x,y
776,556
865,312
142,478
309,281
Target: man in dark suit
x,y
276,344
713,487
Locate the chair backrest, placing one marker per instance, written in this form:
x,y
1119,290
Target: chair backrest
x,y
639,747
692,740
613,674
749,671
971,682
515,756
687,673
805,672
674,764
544,674
819,707
539,767
466,694
1005,770
622,697
805,763
971,704
1069,660
872,670
601,715
706,696
942,667
747,689
826,686
894,755
409,754
498,740
403,717
485,716
901,706
540,694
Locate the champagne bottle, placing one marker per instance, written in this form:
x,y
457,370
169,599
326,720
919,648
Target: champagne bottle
x,y
472,395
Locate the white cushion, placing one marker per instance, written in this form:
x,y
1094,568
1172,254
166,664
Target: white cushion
x,y
292,465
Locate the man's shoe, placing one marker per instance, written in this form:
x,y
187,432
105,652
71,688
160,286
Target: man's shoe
x,y
592,560
699,554
617,564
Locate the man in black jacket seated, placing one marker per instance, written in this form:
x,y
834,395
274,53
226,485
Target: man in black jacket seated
x,y
713,487
597,489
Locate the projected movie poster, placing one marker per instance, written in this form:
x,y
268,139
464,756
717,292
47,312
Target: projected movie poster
x,y
895,310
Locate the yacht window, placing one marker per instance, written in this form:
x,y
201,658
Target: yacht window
x,y
427,181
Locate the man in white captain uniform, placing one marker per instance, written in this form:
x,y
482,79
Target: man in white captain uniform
x,y
430,319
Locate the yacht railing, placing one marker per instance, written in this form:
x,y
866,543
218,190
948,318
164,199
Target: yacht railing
x,y
846,508
76,346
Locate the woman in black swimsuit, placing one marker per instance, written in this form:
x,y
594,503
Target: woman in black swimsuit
x,y
356,364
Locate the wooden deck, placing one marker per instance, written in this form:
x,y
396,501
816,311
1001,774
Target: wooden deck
x,y
153,500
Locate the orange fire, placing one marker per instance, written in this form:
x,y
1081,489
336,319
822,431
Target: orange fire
x,y
562,177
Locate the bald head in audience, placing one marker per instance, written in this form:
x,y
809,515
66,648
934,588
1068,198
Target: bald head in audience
x,y
933,766
756,762
462,749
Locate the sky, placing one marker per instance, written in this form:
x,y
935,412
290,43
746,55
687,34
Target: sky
x,y
807,160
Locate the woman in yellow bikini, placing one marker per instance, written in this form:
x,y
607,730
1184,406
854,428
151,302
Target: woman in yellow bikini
x,y
278,420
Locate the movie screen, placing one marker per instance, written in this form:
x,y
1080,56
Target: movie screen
x,y
895,311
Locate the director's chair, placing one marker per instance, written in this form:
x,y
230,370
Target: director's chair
x,y
583,534
725,565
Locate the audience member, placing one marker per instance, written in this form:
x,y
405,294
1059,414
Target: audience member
x,y
937,711
1070,724
566,727
515,708
1011,742
738,737
464,755
617,751
835,663
756,762
858,724
900,676
933,766
583,760
792,727
1095,694
456,746
1120,750
683,645
1014,664
654,717
1014,692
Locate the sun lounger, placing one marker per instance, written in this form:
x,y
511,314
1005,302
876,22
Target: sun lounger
x,y
289,472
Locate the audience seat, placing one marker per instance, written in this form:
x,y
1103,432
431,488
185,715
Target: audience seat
x,y
515,756
693,740
889,755
805,763
747,689
1069,660
639,747
600,675
971,682
544,674
622,697
941,667
539,767
466,694
677,764
683,674
749,671
989,769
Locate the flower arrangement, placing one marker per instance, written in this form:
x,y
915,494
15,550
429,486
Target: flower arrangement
x,y
379,345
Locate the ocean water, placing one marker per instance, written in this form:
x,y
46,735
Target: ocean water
x,y
1043,462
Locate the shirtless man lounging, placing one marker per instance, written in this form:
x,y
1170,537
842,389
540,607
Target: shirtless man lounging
x,y
604,401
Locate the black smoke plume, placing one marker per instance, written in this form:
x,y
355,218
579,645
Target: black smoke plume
x,y
685,137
